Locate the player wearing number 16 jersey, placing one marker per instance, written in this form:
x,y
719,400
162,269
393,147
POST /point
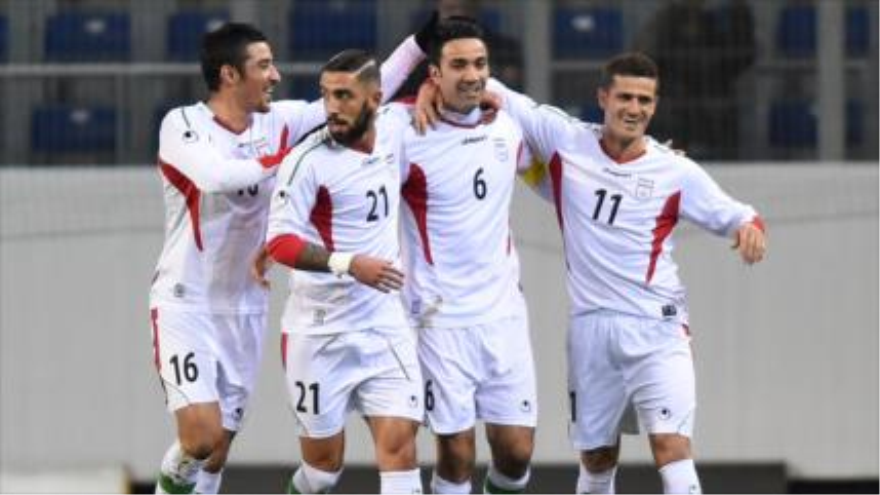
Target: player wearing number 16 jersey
x,y
618,196
334,219
218,160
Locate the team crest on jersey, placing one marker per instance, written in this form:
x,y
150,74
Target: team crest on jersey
x,y
644,188
501,152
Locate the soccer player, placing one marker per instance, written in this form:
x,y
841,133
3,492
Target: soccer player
x,y
462,290
618,196
217,161
347,344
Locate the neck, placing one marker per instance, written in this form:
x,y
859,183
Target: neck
x,y
623,150
365,143
229,112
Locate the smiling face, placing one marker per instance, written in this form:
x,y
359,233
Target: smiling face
x,y
350,105
629,103
462,73
255,82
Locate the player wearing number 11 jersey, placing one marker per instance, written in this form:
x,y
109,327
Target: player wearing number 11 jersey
x,y
618,196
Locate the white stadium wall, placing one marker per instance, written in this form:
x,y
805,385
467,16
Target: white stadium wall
x,y
786,352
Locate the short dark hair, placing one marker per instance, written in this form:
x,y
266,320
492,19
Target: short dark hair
x,y
226,45
353,60
450,29
634,64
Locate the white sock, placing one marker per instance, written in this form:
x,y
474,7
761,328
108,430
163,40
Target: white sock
x,y
602,482
308,479
497,482
179,471
208,482
440,485
680,477
400,481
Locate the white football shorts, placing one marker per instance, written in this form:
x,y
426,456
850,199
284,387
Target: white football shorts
x,y
373,371
205,357
481,372
622,367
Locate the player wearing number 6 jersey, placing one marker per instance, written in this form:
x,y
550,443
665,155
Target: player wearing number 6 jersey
x,y
618,195
347,346
462,290
217,161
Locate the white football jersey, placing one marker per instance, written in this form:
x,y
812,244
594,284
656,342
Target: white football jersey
x,y
617,218
217,195
458,180
347,201
216,203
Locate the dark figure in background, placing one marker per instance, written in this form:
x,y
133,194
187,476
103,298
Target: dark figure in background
x,y
701,52
506,52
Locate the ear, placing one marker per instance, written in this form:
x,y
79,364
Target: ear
x,y
434,73
229,74
602,97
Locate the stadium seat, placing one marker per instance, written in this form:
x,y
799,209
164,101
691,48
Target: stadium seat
x,y
793,123
59,128
305,87
796,31
88,36
858,34
321,28
591,112
4,39
185,30
587,32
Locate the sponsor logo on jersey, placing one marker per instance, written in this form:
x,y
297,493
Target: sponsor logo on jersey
x,y
179,290
190,136
473,139
501,152
665,413
668,310
319,316
526,405
616,173
644,188
413,401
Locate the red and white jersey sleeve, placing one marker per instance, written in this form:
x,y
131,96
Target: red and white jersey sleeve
x,y
216,203
346,201
617,219
458,180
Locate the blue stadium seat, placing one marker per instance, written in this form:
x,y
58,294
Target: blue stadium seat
x,y
591,112
587,32
59,128
185,30
305,87
858,34
88,36
4,39
796,31
321,28
793,123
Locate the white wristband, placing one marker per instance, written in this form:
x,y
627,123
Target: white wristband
x,y
339,263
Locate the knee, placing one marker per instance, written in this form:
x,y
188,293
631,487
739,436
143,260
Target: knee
x,y
513,460
669,448
600,460
200,441
217,460
456,457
